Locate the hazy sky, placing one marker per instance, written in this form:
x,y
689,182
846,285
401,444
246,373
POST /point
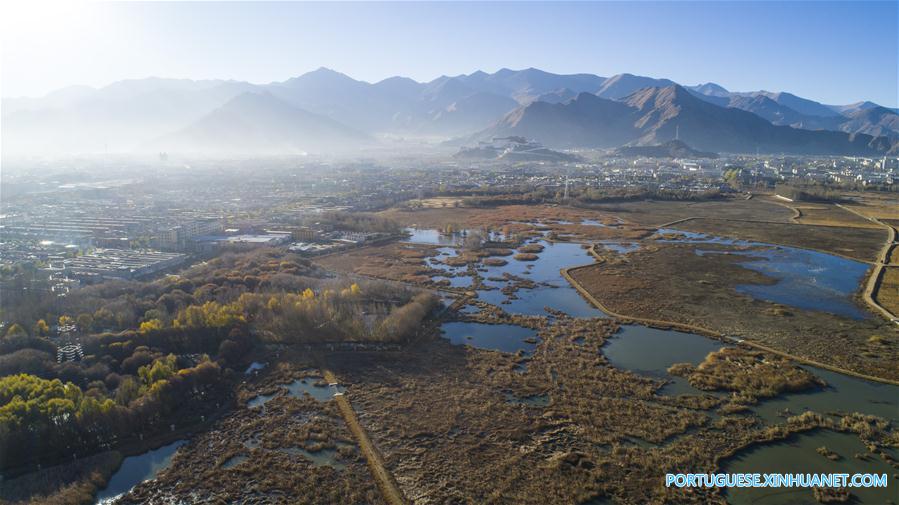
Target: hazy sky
x,y
834,52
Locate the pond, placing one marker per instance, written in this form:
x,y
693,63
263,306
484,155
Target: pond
x,y
552,291
650,351
434,237
806,279
298,388
454,282
798,454
843,393
137,469
620,247
307,386
323,457
254,366
497,337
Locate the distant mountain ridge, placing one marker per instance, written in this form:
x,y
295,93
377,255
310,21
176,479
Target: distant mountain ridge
x,y
135,114
656,115
259,123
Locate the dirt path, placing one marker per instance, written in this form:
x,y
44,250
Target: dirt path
x,y
709,333
382,476
877,274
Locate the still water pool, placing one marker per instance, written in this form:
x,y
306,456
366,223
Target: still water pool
x,y
137,469
496,337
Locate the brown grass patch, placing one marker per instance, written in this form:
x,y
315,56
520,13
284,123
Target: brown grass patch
x,y
749,372
395,261
887,293
831,215
531,248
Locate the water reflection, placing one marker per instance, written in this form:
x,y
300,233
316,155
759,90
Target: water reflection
x,y
137,469
552,290
806,279
798,454
650,351
497,337
312,386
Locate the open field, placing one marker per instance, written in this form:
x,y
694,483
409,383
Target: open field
x,y
496,217
657,213
877,205
887,293
829,215
440,202
670,282
892,257
863,244
394,261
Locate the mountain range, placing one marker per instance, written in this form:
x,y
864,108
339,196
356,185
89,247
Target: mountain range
x,y
654,115
325,111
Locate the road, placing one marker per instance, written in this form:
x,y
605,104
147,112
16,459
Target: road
x,y
881,263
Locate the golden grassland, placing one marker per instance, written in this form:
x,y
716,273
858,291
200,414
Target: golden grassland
x,y
655,213
887,293
877,205
439,202
830,215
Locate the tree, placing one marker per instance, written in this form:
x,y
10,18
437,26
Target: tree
x,y
151,325
16,330
85,322
104,317
128,390
41,329
230,351
161,369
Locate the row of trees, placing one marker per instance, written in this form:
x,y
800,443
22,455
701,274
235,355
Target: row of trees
x,y
44,420
810,192
359,222
331,315
586,196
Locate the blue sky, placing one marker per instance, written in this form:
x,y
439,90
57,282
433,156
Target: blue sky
x,y
834,52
